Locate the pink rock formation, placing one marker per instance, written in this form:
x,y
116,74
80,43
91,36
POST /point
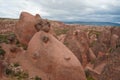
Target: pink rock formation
x,y
28,25
25,27
78,43
55,60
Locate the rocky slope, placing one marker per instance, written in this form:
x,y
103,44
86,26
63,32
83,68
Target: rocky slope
x,y
33,48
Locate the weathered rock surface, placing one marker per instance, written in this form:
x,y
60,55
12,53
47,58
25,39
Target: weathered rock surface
x,y
25,27
53,58
112,69
28,25
78,43
106,65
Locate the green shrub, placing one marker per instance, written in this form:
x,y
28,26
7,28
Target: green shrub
x,y
66,43
24,46
97,33
17,43
21,76
21,45
3,39
89,78
8,72
2,52
16,64
14,71
111,50
37,78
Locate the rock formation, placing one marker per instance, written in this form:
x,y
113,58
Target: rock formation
x,y
78,43
94,49
25,27
53,58
28,25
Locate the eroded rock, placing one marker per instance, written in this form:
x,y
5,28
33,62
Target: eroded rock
x,y
78,43
54,59
24,29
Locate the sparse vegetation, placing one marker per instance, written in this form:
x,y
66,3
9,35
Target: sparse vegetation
x,y
93,43
2,53
6,38
24,46
14,71
65,43
91,32
61,31
21,45
37,78
3,38
16,64
111,50
18,43
93,61
88,76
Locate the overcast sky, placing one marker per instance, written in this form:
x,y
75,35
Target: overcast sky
x,y
64,10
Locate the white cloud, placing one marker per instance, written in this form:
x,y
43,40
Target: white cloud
x,y
82,10
12,8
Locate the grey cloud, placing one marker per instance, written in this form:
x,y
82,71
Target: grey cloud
x,y
66,10
96,10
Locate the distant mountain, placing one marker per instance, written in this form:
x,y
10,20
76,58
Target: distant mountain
x,y
94,23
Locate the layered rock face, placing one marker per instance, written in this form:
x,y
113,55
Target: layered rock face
x,y
53,58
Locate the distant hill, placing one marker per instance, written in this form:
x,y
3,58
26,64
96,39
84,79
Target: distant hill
x,y
76,22
94,23
8,19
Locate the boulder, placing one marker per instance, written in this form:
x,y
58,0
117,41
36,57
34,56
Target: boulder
x,y
55,60
43,25
28,25
25,29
